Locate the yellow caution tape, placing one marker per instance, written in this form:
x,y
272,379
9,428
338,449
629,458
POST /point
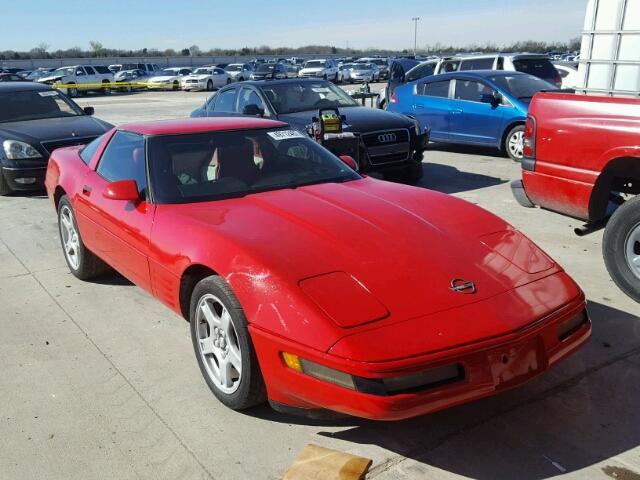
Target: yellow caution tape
x,y
112,85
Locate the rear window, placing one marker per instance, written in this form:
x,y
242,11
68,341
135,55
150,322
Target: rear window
x,y
538,67
419,72
101,69
477,64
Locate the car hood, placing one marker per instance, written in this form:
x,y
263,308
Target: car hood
x,y
196,77
50,78
312,70
358,119
48,129
405,245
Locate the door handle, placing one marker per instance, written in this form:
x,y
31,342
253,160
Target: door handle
x,y
418,107
86,190
456,111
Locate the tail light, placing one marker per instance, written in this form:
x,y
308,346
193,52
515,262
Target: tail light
x,y
394,98
558,81
529,146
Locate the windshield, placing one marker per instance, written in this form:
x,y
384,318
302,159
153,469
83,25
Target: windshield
x,y
523,87
218,165
234,68
315,64
165,73
265,67
203,71
350,66
291,97
64,71
21,106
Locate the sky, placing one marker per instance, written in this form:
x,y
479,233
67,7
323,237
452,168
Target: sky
x,y
177,24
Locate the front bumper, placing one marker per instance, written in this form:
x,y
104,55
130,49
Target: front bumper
x,y
194,86
490,367
16,177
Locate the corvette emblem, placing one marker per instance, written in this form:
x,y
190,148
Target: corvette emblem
x,y
462,286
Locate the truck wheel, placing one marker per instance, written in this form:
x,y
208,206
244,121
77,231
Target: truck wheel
x,y
72,92
5,189
514,142
621,248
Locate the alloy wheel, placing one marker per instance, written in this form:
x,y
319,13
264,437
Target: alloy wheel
x,y
516,144
218,344
70,237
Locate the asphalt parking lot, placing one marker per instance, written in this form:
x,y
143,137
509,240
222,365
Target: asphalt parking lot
x,y
99,380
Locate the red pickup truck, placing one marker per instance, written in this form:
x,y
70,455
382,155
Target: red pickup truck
x,y
582,159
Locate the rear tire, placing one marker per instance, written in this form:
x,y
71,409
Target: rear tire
x,y
106,90
83,263
176,86
230,344
5,189
513,143
72,92
621,248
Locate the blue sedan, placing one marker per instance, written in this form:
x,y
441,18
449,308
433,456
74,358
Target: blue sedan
x,y
474,107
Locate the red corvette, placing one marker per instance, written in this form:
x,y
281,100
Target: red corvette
x,y
307,284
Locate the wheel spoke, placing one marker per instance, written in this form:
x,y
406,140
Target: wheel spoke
x,y
636,261
234,358
210,317
225,374
66,222
225,323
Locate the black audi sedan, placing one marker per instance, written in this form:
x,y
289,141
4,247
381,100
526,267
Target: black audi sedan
x,y
390,143
34,120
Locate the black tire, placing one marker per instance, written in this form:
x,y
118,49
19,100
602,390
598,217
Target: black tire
x,y
324,77
176,86
106,90
228,81
517,130
5,189
624,222
73,92
89,265
209,86
251,389
383,104
414,173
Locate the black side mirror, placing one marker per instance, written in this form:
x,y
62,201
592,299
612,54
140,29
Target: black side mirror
x,y
494,99
89,110
253,110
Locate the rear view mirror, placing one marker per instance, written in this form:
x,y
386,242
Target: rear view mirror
x,y
253,110
126,190
349,161
89,110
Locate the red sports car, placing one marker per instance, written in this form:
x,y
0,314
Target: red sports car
x,y
306,283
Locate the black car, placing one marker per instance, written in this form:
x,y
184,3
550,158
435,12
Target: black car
x,y
390,143
269,71
34,120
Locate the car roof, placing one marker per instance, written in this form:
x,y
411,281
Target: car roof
x,y
467,56
23,87
198,125
292,81
476,74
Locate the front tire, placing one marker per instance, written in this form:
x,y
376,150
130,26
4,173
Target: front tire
x,y
83,263
106,90
209,86
72,92
514,143
223,346
621,248
176,86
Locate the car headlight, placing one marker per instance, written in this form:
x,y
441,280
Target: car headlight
x,y
15,150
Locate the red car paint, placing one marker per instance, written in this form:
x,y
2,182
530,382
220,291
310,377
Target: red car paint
x,y
582,143
391,251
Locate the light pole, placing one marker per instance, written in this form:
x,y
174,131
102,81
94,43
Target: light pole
x,y
415,35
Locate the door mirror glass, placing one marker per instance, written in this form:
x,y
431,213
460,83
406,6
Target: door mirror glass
x,y
253,109
89,110
126,190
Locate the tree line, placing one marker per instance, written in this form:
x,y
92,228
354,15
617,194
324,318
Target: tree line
x,y
97,50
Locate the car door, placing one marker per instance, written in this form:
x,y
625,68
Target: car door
x,y
120,229
92,75
432,107
474,121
